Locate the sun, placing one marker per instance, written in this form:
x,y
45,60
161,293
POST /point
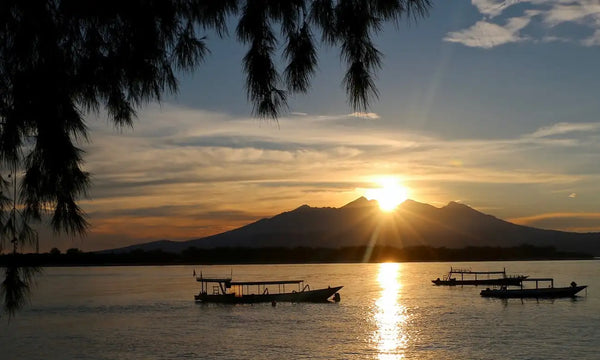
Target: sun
x,y
389,194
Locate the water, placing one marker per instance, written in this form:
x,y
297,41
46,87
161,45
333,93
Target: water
x,y
388,311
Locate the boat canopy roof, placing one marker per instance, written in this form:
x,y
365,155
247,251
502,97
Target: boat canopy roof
x,y
229,282
476,272
266,282
216,280
468,271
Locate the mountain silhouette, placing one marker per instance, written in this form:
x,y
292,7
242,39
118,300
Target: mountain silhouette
x,y
361,223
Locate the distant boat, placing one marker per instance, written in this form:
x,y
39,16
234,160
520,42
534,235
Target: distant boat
x,y
473,278
537,292
224,290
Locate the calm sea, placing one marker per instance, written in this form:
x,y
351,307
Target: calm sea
x,y
387,311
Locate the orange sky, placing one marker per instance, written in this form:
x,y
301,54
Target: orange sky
x,y
170,179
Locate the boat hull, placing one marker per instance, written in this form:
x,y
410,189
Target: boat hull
x,y
314,296
570,291
515,281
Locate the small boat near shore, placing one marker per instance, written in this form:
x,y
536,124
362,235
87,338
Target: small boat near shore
x,y
469,277
224,290
537,292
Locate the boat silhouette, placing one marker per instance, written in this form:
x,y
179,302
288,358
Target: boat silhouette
x,y
224,290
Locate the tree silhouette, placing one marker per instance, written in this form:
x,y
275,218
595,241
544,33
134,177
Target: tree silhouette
x,y
61,59
18,278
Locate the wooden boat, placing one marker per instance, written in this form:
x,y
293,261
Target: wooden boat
x,y
537,292
224,290
474,278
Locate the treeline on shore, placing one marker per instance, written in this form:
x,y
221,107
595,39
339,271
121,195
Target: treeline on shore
x,y
281,255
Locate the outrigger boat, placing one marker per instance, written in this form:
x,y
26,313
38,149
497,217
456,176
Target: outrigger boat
x,y
224,290
538,292
473,278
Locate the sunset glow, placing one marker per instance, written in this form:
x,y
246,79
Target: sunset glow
x,y
389,195
199,163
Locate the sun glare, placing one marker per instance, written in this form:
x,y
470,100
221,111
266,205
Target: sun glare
x,y
389,194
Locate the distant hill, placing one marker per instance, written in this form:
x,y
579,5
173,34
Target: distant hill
x,y
361,223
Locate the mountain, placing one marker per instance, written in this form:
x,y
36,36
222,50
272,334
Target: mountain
x,y
360,223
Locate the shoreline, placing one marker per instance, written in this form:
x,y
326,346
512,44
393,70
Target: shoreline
x,y
277,255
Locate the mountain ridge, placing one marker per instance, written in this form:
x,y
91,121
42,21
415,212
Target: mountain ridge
x,y
361,223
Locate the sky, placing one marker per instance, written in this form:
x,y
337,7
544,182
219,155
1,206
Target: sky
x,y
490,103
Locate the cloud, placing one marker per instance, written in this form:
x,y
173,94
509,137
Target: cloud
x,y
493,8
496,28
488,35
577,222
205,148
593,40
565,128
366,115
548,39
585,12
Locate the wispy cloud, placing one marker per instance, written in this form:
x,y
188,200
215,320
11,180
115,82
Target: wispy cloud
x,y
206,147
593,40
565,128
493,8
365,115
578,222
497,28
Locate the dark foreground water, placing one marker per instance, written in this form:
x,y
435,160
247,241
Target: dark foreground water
x,y
388,311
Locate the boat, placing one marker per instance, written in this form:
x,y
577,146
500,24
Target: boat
x,y
473,278
537,292
225,290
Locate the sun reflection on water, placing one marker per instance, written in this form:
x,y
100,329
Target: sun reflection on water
x,y
390,315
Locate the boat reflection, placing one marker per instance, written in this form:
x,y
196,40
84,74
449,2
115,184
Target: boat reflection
x,y
390,315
